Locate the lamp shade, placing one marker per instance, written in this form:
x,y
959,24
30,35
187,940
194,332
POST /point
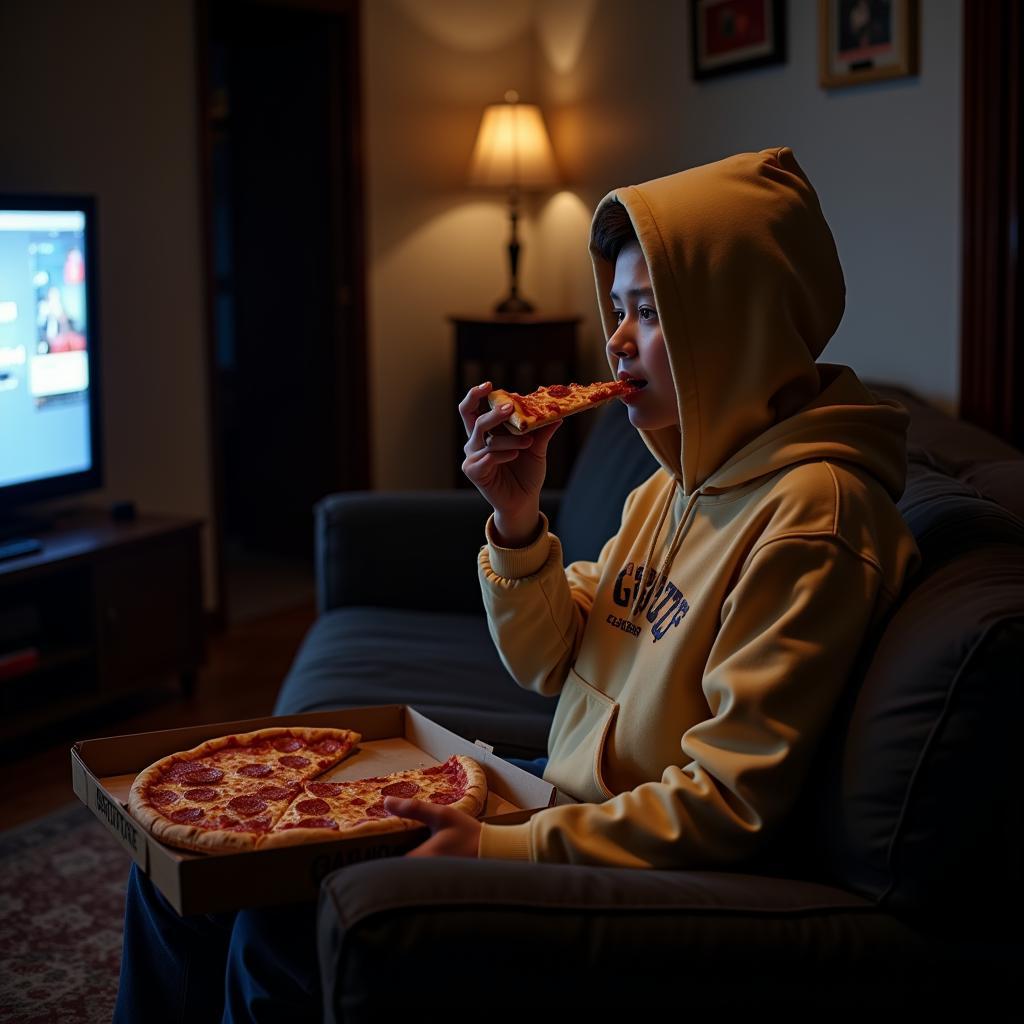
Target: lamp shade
x,y
513,148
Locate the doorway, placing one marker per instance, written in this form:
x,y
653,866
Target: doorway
x,y
279,94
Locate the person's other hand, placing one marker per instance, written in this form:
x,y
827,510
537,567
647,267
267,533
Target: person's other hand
x,y
507,469
453,833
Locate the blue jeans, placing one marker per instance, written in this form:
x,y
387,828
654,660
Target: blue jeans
x,y
255,965
535,767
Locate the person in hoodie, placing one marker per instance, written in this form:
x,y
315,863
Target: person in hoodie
x,y
697,661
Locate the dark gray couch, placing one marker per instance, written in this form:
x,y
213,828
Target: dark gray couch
x,y
899,880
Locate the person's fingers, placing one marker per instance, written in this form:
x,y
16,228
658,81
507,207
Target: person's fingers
x,y
469,407
479,465
485,422
419,810
501,442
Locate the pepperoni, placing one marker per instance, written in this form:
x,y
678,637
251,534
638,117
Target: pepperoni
x,y
201,776
325,788
164,797
558,390
247,806
177,770
327,746
378,811
356,801
404,788
287,744
294,762
201,796
186,814
444,796
312,807
256,771
313,823
278,792
438,769
227,822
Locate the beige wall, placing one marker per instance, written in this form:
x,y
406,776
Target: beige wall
x,y
435,246
885,160
99,98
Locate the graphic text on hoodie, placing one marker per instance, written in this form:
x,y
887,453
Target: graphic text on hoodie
x,y
667,610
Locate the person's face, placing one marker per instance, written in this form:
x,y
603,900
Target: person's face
x,y
638,346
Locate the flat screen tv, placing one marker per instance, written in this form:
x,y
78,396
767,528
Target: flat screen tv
x,y
50,443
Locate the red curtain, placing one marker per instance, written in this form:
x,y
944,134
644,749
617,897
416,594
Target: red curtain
x,y
991,355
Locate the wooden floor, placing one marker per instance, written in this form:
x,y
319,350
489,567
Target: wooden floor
x,y
244,669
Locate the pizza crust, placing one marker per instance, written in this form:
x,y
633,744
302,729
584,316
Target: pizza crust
x,y
474,803
520,422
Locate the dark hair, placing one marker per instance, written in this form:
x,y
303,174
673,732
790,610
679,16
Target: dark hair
x,y
613,230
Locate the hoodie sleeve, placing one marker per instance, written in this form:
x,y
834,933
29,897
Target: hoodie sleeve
x,y
789,633
537,607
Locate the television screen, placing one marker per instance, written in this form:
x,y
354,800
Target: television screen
x,y
48,414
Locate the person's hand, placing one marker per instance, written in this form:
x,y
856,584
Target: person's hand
x,y
507,469
453,833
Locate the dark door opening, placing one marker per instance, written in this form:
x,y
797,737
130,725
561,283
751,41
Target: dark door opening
x,y
279,87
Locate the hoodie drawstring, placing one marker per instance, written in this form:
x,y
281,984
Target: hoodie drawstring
x,y
650,579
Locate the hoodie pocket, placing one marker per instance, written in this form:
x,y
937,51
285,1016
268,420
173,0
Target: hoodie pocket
x,y
579,732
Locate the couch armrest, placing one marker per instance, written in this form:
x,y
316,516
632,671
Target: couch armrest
x,y
393,932
408,549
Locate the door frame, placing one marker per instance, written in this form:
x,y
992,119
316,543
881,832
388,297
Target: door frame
x,y
991,351
348,271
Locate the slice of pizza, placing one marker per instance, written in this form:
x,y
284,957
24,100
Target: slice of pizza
x,y
226,792
356,807
548,404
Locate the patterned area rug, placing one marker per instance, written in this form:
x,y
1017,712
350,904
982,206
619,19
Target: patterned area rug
x,y
62,885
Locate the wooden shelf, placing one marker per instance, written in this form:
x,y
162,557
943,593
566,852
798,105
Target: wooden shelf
x,y
111,607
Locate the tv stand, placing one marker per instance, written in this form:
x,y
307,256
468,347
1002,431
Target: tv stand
x,y
19,548
17,528
100,610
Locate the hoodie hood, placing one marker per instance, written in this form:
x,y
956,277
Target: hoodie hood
x,y
749,291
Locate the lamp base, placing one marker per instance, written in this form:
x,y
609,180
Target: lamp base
x,y
513,304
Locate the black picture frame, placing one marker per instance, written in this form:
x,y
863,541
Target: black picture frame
x,y
767,47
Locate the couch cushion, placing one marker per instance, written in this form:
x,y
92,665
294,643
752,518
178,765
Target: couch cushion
x,y
585,939
962,450
443,664
917,801
613,461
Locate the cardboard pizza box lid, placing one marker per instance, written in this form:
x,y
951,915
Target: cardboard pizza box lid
x,y
395,737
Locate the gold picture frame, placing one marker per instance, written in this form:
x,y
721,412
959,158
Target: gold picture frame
x,y
867,41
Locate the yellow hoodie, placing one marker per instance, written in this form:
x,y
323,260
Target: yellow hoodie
x,y
697,661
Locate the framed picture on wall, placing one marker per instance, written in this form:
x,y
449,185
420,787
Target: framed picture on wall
x,y
867,40
734,35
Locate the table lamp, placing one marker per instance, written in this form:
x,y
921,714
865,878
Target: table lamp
x,y
513,151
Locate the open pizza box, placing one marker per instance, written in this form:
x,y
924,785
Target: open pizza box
x,y
395,738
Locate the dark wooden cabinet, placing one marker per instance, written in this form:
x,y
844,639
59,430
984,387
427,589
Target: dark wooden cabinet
x,y
517,353
104,609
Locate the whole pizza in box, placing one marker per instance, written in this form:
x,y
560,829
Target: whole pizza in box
x,y
263,789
